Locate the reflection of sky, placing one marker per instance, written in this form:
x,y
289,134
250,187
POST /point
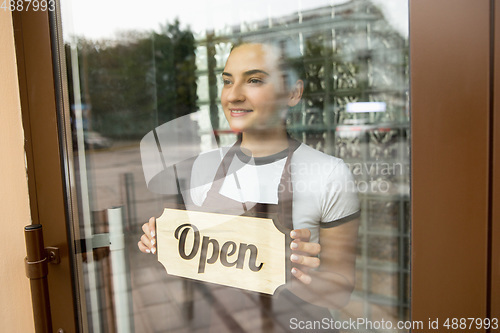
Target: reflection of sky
x,y
96,19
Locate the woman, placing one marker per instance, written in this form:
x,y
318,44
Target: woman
x,y
313,193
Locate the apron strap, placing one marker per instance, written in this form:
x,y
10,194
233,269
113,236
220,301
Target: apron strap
x,y
224,167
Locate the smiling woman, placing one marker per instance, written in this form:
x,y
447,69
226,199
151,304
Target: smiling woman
x,y
278,125
263,172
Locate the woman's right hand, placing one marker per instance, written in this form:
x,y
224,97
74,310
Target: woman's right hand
x,y
147,244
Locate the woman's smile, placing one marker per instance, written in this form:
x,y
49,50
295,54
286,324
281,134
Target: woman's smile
x,y
239,112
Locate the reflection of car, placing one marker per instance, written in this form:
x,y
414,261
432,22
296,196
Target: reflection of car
x,y
95,140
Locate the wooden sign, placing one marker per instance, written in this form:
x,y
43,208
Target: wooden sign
x,y
238,251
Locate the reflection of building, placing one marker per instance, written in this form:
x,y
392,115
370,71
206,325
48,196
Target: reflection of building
x,y
351,54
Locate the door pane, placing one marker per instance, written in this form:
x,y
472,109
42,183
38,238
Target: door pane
x,y
135,69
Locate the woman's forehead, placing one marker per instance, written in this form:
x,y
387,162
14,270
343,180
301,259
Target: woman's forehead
x,y
253,56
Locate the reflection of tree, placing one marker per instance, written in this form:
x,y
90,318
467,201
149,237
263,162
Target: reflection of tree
x,y
138,81
174,53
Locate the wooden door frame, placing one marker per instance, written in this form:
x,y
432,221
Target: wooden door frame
x,y
47,154
451,102
495,170
452,167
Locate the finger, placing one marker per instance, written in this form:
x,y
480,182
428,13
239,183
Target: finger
x,y
152,226
302,234
312,249
311,262
143,248
146,230
148,243
301,276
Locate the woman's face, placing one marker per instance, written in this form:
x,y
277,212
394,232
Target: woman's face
x,y
254,96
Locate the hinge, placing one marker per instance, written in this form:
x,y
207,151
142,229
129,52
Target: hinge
x,y
53,255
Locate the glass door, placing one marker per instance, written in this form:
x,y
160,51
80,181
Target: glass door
x,y
146,90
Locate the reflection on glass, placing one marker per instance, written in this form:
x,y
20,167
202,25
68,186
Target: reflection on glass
x,y
128,75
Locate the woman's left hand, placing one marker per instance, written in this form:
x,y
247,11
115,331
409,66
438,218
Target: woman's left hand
x,y
304,254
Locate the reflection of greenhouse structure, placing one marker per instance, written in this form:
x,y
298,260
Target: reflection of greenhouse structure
x,y
351,55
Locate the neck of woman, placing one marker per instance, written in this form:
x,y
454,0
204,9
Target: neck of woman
x,y
265,142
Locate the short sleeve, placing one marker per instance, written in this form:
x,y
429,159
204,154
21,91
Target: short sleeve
x,y
340,203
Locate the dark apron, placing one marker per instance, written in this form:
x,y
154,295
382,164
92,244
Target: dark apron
x,y
244,311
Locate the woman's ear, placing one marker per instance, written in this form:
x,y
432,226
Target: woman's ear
x,y
296,93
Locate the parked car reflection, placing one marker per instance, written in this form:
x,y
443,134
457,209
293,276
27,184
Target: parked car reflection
x,y
94,140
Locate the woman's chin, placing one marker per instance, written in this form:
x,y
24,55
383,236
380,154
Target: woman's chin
x,y
238,126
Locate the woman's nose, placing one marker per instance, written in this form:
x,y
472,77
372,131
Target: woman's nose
x,y
235,94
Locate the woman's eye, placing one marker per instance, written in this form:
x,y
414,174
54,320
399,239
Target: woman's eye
x,y
225,82
255,81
